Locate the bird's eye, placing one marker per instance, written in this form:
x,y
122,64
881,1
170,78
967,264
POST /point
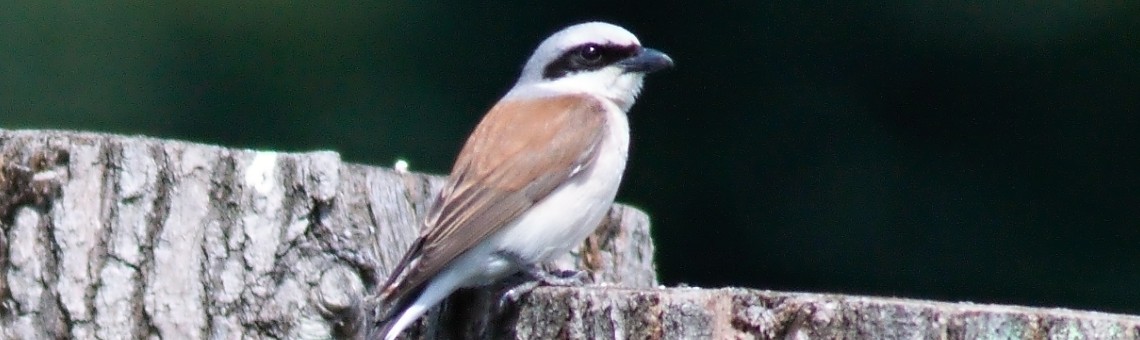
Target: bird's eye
x,y
589,55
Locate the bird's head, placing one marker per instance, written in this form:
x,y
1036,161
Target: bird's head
x,y
595,58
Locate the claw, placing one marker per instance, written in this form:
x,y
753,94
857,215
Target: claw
x,y
516,293
562,278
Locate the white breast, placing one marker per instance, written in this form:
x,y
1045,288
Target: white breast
x,y
564,218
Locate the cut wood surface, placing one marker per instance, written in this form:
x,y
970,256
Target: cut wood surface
x,y
123,237
118,237
736,313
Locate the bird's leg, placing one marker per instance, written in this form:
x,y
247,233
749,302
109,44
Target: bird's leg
x,y
534,275
558,277
514,294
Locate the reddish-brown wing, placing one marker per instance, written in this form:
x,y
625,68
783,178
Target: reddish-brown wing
x,y
519,153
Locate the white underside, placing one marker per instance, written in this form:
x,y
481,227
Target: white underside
x,y
551,227
571,213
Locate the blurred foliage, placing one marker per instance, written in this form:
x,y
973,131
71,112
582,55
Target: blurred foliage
x,y
960,151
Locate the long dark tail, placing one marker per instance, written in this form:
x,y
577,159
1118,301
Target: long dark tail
x,y
386,319
370,317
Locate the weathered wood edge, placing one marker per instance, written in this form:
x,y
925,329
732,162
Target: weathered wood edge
x,y
737,313
107,236
94,245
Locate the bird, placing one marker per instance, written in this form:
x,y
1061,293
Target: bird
x,y
534,178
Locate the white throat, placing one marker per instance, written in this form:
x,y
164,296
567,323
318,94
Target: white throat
x,y
610,84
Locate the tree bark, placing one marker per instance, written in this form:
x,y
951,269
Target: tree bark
x,y
115,237
735,313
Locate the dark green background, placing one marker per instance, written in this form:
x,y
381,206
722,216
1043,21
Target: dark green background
x,y
983,152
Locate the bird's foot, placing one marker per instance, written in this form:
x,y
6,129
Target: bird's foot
x,y
514,294
535,277
561,278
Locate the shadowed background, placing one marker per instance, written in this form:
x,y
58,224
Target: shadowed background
x,y
982,152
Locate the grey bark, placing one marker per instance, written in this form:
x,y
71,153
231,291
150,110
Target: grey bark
x,y
113,237
118,237
735,313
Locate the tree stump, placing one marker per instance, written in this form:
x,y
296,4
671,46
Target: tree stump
x,y
117,237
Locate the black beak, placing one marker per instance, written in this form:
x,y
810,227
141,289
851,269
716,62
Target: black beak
x,y
646,60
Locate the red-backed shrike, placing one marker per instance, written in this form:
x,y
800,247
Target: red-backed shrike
x,y
535,178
